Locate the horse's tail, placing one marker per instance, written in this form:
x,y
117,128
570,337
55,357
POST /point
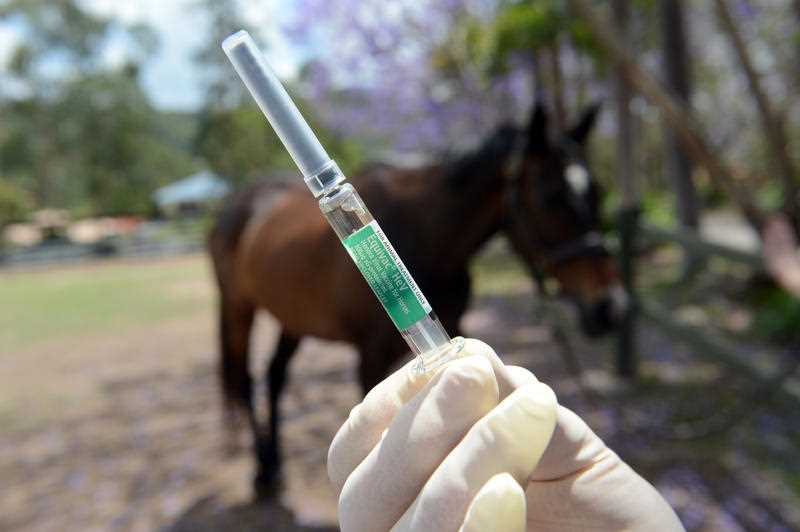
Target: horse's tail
x,y
236,315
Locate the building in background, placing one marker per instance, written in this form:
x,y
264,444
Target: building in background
x,y
191,195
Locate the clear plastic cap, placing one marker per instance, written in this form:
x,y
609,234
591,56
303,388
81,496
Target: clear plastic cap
x,y
320,172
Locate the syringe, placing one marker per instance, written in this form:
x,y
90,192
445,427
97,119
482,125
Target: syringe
x,y
346,212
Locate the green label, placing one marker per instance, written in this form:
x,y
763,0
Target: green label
x,y
387,276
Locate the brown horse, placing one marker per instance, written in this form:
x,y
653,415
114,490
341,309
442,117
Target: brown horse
x,y
273,250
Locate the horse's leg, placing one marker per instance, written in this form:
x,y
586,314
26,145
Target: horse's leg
x,y
454,301
377,356
236,322
268,445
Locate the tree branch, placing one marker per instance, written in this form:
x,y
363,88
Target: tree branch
x,y
771,123
676,115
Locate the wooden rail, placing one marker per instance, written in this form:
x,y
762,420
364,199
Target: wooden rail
x,y
715,349
695,245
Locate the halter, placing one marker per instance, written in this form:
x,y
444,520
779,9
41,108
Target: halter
x,y
589,244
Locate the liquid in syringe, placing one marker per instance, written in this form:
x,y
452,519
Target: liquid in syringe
x,y
346,212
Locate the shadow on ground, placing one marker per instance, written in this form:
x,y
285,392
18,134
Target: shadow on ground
x,y
150,453
210,515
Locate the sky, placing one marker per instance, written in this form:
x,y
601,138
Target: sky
x,y
170,78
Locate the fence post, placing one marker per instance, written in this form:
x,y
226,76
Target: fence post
x,y
627,359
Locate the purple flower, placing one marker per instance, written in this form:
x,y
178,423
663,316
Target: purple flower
x,y
745,9
385,56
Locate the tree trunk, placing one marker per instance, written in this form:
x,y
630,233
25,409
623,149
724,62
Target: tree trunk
x,y
538,75
625,150
581,82
796,5
689,132
677,78
771,123
557,78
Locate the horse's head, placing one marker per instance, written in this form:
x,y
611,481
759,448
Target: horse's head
x,y
553,217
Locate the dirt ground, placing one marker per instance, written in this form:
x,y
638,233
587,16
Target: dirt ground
x,y
122,431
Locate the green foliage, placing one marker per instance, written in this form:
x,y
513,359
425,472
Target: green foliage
x,y
98,147
658,209
126,160
233,137
54,27
468,43
239,145
527,26
15,203
519,28
770,196
777,315
645,6
583,40
85,137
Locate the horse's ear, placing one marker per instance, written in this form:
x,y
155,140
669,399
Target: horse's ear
x,y
537,128
580,132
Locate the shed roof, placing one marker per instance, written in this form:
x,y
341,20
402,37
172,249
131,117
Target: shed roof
x,y
196,188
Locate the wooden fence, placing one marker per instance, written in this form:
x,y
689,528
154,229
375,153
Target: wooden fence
x,y
716,348
188,240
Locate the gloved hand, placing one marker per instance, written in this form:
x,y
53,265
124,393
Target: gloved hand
x,y
453,450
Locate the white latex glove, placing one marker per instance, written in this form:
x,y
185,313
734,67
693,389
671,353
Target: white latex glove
x,y
453,450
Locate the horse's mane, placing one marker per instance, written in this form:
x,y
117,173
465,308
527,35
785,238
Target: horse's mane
x,y
483,159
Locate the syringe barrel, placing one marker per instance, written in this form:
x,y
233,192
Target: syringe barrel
x,y
388,277
361,235
320,172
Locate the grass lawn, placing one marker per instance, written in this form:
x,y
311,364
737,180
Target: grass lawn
x,y
67,303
